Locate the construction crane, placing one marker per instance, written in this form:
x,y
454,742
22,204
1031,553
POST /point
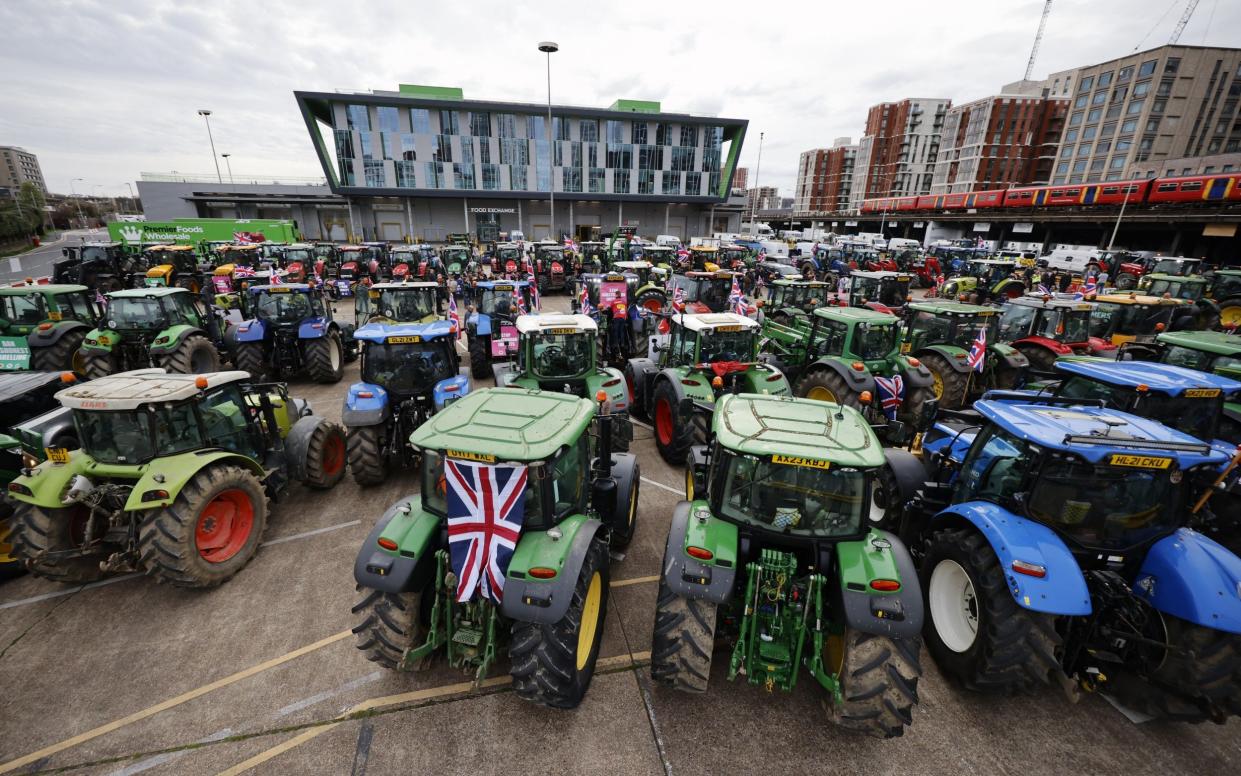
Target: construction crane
x,y
1038,38
1180,26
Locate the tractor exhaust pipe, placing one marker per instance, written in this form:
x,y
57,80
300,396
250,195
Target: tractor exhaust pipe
x,y
603,487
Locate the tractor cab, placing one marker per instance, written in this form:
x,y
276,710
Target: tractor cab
x,y
1191,288
97,265
1132,317
1205,351
296,260
983,281
659,255
405,261
701,292
453,259
941,335
491,329
244,255
1174,265
355,263
1225,291
172,265
290,328
1044,328
41,327
557,349
787,299
509,260
700,340
734,257
417,302
594,255
551,267
885,292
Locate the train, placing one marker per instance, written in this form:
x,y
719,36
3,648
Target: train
x,y
1223,188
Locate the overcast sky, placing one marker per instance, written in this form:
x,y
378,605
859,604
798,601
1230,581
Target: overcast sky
x,y
107,90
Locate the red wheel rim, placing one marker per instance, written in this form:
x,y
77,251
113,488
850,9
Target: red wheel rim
x,y
629,385
663,421
333,455
224,526
653,305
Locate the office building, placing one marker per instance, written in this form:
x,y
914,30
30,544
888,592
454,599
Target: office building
x,y
897,154
17,166
825,179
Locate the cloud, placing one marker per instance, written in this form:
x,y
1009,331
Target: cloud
x,y
106,89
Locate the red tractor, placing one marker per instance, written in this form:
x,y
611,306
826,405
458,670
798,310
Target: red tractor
x,y
1043,328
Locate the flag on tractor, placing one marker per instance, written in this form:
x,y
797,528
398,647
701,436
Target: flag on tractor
x,y
762,254
1043,289
535,302
454,317
519,302
978,350
486,508
678,299
682,254
891,394
1092,286
735,300
583,302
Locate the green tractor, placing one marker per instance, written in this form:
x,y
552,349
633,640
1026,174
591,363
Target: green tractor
x,y
772,550
172,479
703,356
161,327
851,356
555,498
42,327
789,299
557,352
1225,291
984,280
940,334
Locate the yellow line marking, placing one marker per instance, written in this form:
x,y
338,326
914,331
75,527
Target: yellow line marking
x,y
634,581
137,716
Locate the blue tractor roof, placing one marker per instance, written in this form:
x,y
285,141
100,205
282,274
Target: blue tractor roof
x,y
290,286
1158,378
490,284
1094,433
380,332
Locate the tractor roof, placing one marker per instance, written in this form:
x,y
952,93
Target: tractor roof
x,y
951,308
101,244
281,288
1158,378
491,285
171,247
996,262
380,332
1107,431
130,390
1141,299
553,322
1228,272
719,274
17,384
701,248
1177,278
881,275
241,247
1044,302
632,264
797,428
399,286
802,283
1217,342
144,293
300,246
47,288
712,321
855,315
352,247
507,424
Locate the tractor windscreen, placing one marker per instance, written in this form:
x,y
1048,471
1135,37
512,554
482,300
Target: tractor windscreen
x,y
136,312
1064,325
298,254
435,490
502,302
1177,289
406,304
324,251
22,310
963,329
1110,318
727,343
797,500
1174,267
558,356
136,436
1199,359
1016,320
409,368
1106,507
1197,416
285,307
893,292
509,254
875,342
94,253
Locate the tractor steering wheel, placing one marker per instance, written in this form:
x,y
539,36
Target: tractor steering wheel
x,y
551,355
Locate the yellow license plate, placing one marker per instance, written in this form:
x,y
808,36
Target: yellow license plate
x,y
467,456
728,328
404,339
502,288
906,347
57,454
562,331
54,316
1139,461
374,294
278,290
793,460
1201,393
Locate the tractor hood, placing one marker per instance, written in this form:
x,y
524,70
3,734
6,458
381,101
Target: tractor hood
x,y
506,424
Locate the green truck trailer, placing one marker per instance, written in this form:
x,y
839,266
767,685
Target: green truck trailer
x,y
191,231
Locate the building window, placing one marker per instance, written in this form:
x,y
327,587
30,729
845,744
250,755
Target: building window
x,y
1108,129
408,151
1079,166
463,176
1152,125
420,121
683,159
672,183
1113,110
1124,74
1083,149
1119,93
506,125
662,134
1105,79
650,157
374,173
441,148
1135,107
689,135
1088,133
388,119
1080,102
1147,68
1066,151
597,180
1172,65
1085,84
560,128
480,124
346,173
1070,136
542,163
712,137
575,154
467,151
491,176
368,148
1097,165
646,182
1158,105
517,177
1118,162
514,151
536,128
434,179
693,184
620,157
448,123
1094,114
1140,90
589,130
1075,119
344,144
620,181
616,132
1129,126
571,177
358,117
1103,146
713,184
637,133
1123,144
405,175
1062,167
1099,98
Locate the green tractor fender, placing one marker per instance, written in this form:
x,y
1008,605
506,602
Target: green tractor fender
x,y
1009,287
412,565
766,379
691,577
915,376
1008,357
864,567
170,474
42,338
610,381
45,484
545,601
171,338
857,381
101,340
956,357
686,384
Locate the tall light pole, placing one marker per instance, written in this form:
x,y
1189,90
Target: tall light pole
x,y
229,165
132,200
205,114
77,201
548,47
757,168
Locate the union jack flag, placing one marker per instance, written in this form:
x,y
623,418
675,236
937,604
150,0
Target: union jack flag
x,y
891,394
978,350
584,302
735,300
453,316
682,254
243,271
1091,287
535,302
1043,289
486,508
519,302
678,299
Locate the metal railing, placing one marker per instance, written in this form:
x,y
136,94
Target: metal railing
x,y
195,177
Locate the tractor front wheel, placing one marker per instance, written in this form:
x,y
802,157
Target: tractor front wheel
x,y
366,459
947,383
878,681
622,532
974,629
59,356
209,532
1126,281
325,456
480,357
1041,359
673,434
553,664
325,358
38,531
194,356
96,364
826,385
391,624
652,300
248,357
683,641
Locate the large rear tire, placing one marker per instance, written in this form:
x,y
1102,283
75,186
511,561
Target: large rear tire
x,y
673,434
974,629
624,528
194,356
59,356
366,460
96,364
325,456
949,384
325,358
209,532
480,357
390,624
683,641
553,664
826,385
878,683
1041,359
37,531
248,357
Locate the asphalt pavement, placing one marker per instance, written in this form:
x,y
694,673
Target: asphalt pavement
x,y
260,675
38,262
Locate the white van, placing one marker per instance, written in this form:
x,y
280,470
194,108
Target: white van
x,y
903,244
1071,259
668,241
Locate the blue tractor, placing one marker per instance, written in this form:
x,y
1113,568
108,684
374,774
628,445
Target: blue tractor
x,y
410,371
491,325
1053,544
289,329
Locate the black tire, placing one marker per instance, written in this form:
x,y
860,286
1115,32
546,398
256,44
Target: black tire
x,y
952,394
548,664
650,295
37,530
194,356
96,364
885,500
1013,649
622,439
821,383
673,434
911,409
325,358
366,460
168,537
57,357
781,318
325,456
636,409
248,357
878,683
389,625
626,524
1041,359
480,357
683,641
1126,281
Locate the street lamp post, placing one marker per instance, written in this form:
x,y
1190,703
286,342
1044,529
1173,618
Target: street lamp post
x,y
548,47
205,114
78,202
229,165
132,200
757,192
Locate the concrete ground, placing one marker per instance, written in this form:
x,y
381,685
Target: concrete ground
x,y
127,677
